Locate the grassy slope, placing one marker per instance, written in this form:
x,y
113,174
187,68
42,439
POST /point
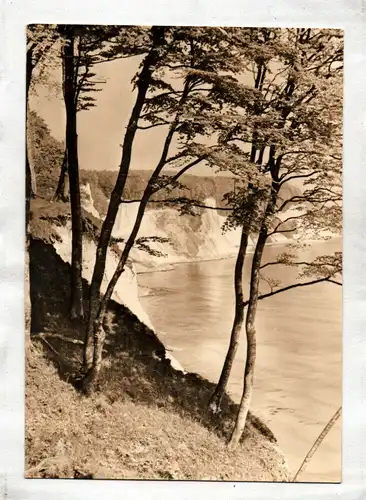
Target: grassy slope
x,y
145,421
121,437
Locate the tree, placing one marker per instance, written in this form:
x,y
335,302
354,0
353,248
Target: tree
x,y
60,193
46,154
78,47
91,41
91,360
317,443
39,43
200,57
70,96
261,49
40,39
303,140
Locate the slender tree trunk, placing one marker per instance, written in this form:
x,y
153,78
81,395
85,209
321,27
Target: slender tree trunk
x,y
252,308
260,157
90,379
28,187
30,174
216,398
258,84
98,330
28,194
27,301
317,443
274,166
77,306
60,193
251,342
144,82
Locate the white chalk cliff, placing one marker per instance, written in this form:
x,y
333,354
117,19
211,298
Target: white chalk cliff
x,y
126,290
191,238
87,200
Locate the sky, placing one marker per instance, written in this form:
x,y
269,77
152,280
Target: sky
x,y
101,129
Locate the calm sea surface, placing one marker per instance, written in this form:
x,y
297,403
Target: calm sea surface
x,y
299,365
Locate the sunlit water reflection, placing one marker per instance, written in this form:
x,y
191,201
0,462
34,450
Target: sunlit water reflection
x,y
298,373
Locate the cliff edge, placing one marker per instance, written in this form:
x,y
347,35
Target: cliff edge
x,y
146,419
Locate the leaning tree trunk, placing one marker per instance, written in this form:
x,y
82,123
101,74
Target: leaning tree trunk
x,y
143,85
251,342
217,396
98,329
60,193
92,374
30,175
317,443
28,191
27,301
77,306
252,307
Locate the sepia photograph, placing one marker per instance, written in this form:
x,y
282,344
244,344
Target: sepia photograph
x,y
183,276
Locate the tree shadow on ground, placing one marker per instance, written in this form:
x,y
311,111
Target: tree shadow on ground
x,y
135,366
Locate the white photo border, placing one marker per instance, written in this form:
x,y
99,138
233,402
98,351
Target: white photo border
x,y
349,15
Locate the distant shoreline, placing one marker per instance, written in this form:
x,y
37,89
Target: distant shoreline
x,y
169,266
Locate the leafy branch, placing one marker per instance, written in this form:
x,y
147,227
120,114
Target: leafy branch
x,y
180,201
143,245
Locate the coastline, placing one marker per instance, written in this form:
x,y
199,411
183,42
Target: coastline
x,y
168,266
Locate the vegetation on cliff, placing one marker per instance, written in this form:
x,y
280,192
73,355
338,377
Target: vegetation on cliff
x,y
146,420
263,105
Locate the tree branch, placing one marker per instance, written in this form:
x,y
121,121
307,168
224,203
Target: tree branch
x,y
153,125
187,167
293,263
276,231
293,217
177,156
101,61
310,199
319,153
296,285
317,442
180,202
299,176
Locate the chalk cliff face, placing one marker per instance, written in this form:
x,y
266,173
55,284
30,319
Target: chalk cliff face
x,y
87,200
126,289
190,238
